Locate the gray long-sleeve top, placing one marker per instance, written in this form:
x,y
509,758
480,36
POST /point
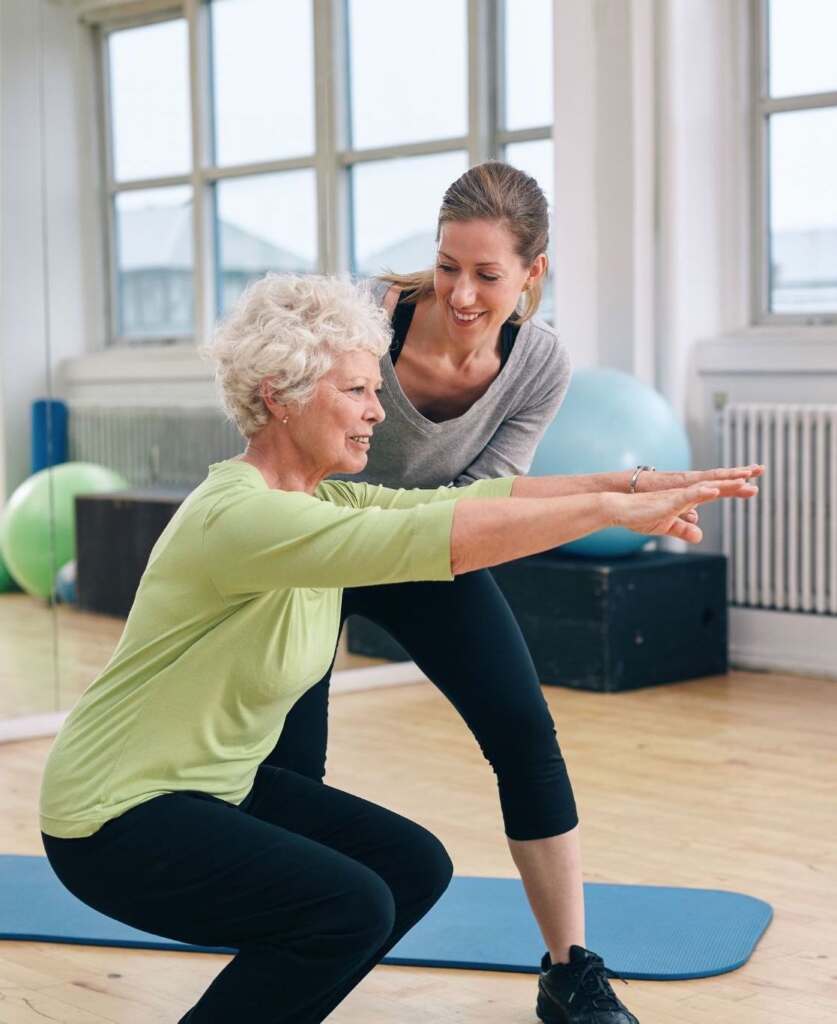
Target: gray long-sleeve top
x,y
496,437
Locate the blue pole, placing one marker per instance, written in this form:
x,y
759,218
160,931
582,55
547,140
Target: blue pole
x,y
49,433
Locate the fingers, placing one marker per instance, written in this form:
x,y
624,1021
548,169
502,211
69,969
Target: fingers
x,y
665,481
735,472
737,488
685,499
674,512
689,532
697,476
754,469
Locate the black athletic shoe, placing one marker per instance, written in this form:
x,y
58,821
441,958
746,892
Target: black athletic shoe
x,y
579,992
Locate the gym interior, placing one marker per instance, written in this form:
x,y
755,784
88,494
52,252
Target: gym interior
x,y
158,156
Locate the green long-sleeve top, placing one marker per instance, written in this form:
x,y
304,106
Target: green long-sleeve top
x,y
236,616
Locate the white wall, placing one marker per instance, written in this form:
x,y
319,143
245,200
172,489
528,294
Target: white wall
x,y
652,181
704,185
604,182
45,247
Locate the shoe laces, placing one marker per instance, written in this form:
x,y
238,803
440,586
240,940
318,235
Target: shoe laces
x,y
593,982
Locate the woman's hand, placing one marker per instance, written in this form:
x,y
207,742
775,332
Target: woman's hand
x,y
654,481
658,481
673,513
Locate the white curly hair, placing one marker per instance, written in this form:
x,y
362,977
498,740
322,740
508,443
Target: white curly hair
x,y
289,329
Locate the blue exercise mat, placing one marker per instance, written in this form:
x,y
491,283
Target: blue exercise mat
x,y
483,923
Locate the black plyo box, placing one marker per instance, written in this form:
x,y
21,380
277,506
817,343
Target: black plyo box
x,y
115,533
607,624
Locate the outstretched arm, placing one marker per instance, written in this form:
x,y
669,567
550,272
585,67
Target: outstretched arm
x,y
271,539
596,483
487,533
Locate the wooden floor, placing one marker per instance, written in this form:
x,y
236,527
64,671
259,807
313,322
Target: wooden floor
x,y
723,783
49,654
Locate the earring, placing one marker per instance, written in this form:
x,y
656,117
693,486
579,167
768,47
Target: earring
x,y
285,420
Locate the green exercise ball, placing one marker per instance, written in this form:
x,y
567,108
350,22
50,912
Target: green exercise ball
x,y
37,530
7,582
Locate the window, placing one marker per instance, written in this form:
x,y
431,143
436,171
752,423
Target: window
x,y
263,222
796,107
248,135
151,195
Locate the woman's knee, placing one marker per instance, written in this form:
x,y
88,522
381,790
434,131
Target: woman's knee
x,y
366,912
525,736
429,865
441,866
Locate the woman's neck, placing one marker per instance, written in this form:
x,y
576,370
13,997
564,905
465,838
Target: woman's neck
x,y
274,458
428,335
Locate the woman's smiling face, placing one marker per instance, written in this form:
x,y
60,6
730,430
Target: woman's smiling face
x,y
478,278
334,429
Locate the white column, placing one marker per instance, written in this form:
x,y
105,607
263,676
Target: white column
x,y
704,133
652,172
605,182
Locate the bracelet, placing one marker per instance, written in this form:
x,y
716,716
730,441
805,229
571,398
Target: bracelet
x,y
635,477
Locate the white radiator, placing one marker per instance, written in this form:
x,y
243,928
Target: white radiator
x,y
150,446
782,547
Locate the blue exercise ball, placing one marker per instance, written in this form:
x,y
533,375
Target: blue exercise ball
x,y
65,584
611,421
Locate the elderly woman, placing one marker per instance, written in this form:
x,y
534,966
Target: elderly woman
x,y
156,808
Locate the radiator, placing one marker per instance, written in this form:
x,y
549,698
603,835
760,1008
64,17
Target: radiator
x,y
152,447
782,547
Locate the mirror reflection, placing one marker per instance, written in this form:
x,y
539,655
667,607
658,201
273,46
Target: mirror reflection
x,y
175,162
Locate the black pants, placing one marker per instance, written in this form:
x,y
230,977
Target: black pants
x,y
311,885
463,636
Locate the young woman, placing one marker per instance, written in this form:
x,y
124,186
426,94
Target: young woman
x,y
470,384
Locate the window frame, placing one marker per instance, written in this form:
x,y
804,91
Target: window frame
x,y
332,160
763,106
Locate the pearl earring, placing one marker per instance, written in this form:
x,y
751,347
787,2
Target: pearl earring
x,y
285,420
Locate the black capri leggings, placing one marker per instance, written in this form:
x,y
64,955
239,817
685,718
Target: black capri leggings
x,y
313,886
464,637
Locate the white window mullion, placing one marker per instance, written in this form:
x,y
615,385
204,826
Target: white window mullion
x,y
143,184
783,104
351,157
508,137
761,263
332,99
298,163
127,15
483,81
203,220
109,220
498,82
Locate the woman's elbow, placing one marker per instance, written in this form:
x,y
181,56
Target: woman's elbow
x,y
461,553
456,563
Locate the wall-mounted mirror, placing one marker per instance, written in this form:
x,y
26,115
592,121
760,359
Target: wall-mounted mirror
x,y
162,160
30,431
